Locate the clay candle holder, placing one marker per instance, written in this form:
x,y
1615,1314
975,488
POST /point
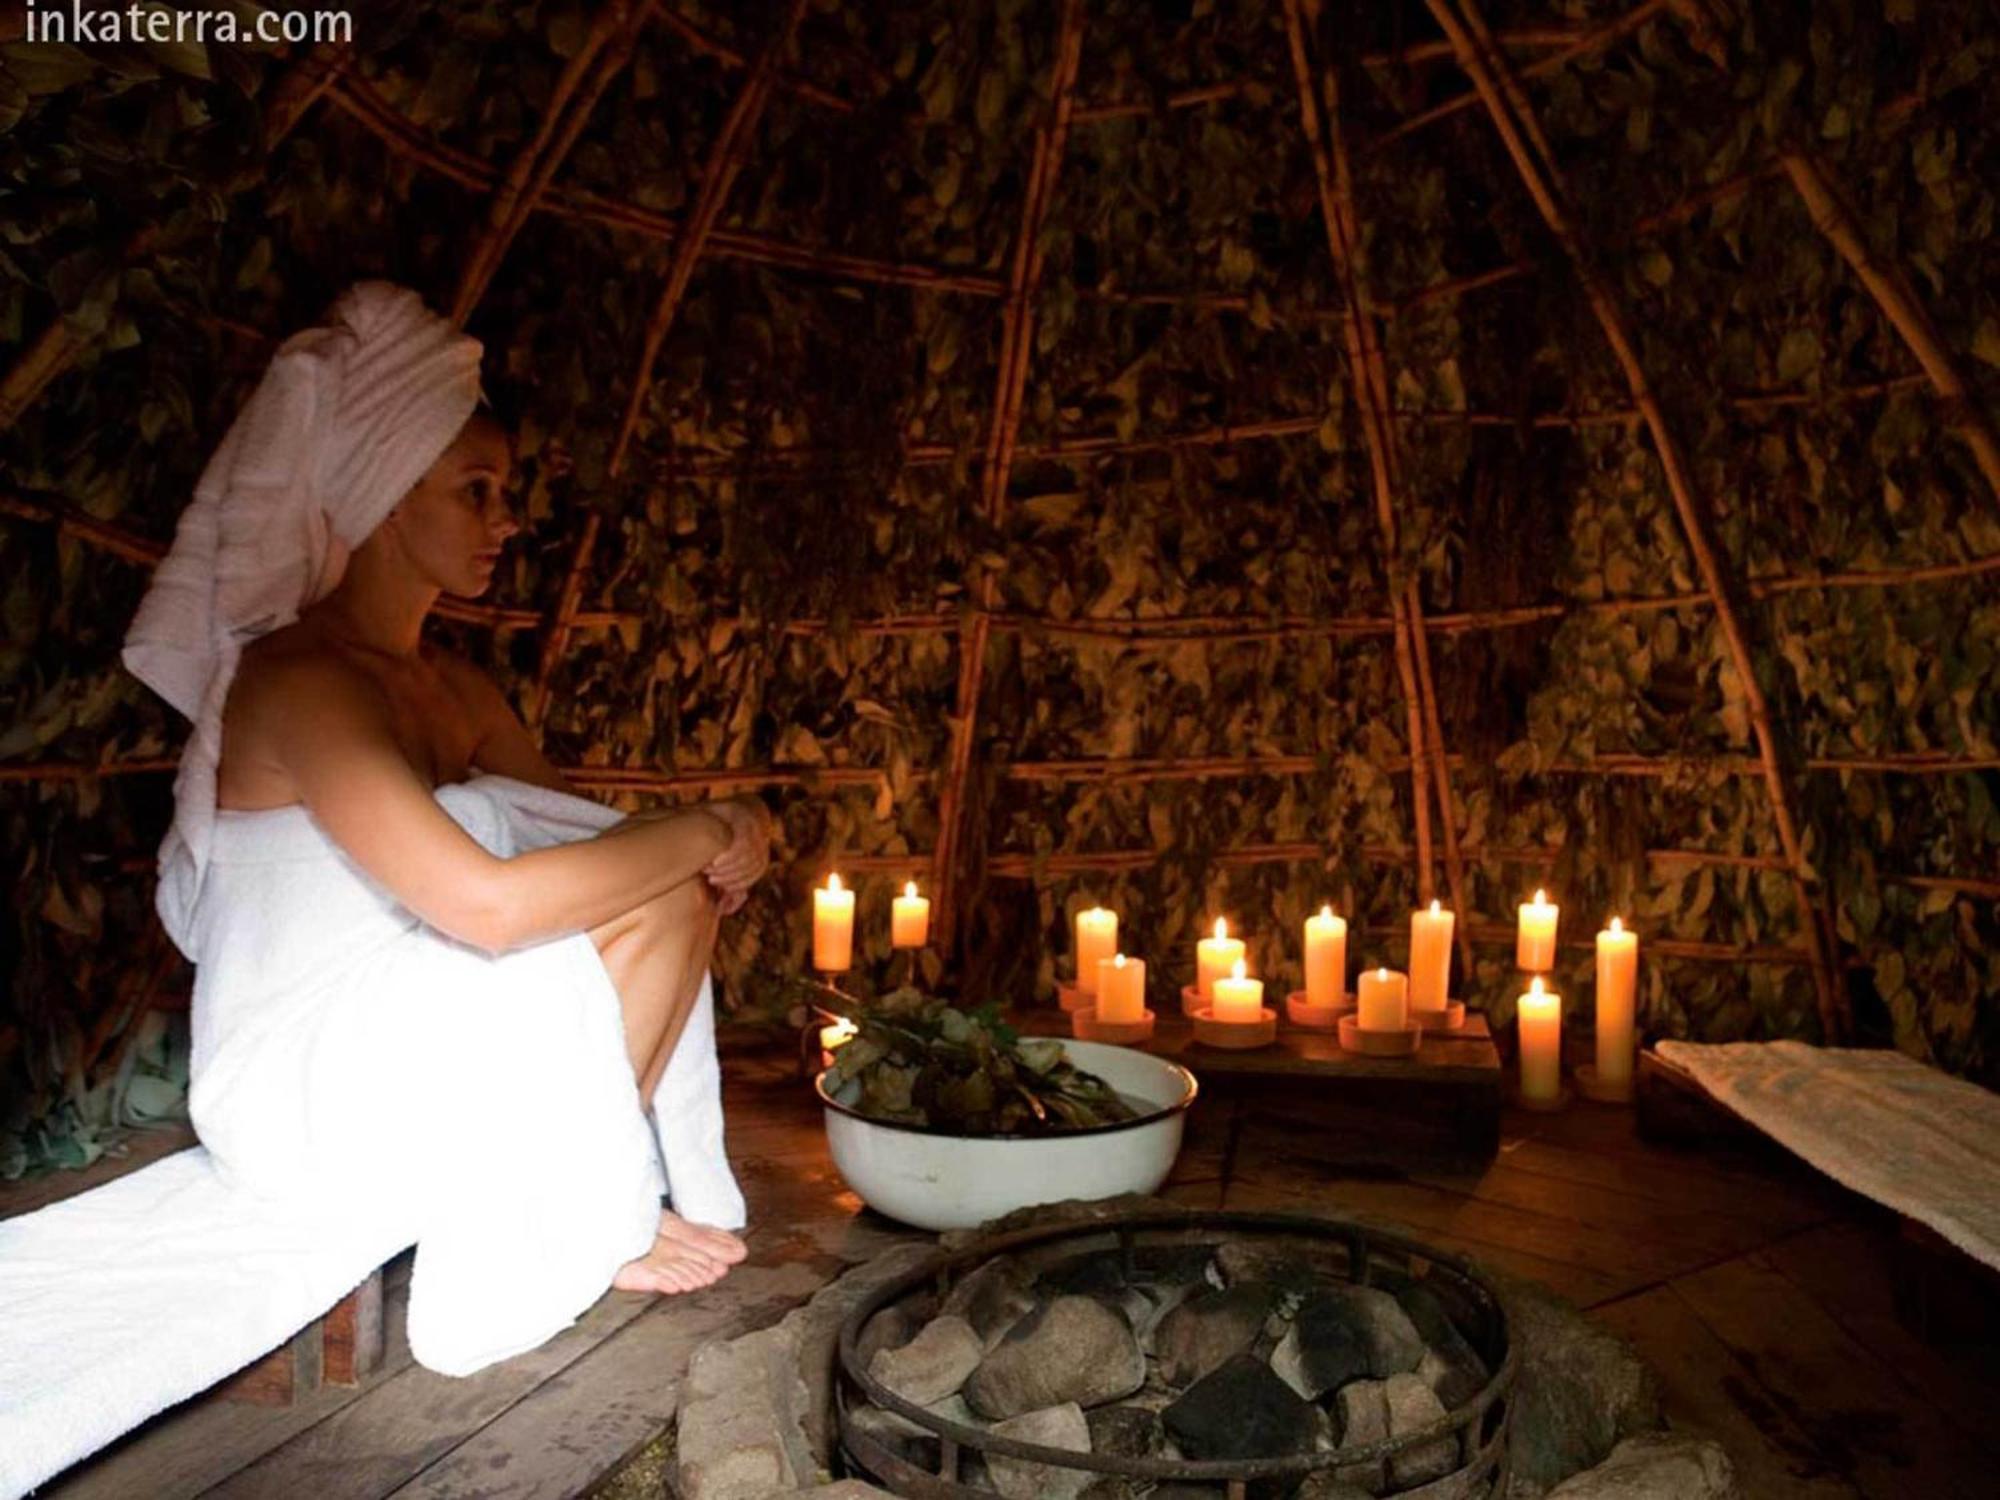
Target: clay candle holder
x,y
1085,1027
1396,1043
1451,1018
1072,999
1302,1013
1239,1019
1381,1024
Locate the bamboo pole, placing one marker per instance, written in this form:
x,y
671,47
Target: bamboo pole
x,y
563,619
607,48
718,176
1016,342
1899,304
788,81
1541,178
1374,396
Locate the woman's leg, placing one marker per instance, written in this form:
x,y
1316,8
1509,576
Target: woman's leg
x,y
657,955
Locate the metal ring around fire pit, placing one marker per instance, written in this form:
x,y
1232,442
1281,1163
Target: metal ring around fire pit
x,y
1479,1426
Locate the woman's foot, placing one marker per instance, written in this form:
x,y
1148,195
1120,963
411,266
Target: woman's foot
x,y
685,1257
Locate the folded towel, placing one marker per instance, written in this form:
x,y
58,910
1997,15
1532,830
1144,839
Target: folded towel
x,y
361,1083
346,419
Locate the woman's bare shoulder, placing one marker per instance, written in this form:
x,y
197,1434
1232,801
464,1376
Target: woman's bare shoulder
x,y
281,670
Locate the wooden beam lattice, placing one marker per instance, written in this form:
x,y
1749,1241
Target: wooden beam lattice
x,y
603,55
1493,80
1374,397
1017,337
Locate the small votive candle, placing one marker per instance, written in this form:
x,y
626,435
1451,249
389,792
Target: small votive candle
x,y
1326,958
833,1038
1540,1014
1096,940
909,919
833,927
1383,1002
1239,999
1121,990
1430,959
1215,958
1617,987
1535,941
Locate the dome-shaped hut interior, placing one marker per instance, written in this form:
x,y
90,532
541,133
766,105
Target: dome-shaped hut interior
x,y
1174,458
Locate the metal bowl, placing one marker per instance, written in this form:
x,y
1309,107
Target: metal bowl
x,y
934,1179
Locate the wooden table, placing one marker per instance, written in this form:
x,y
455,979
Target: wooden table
x,y
1442,1103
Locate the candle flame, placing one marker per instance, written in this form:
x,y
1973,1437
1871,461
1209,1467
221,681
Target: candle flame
x,y
833,882
1541,897
1240,971
1326,912
910,889
1382,974
1535,986
1617,924
1117,960
1221,928
1436,909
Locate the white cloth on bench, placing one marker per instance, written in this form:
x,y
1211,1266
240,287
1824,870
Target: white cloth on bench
x,y
360,1083
1919,1140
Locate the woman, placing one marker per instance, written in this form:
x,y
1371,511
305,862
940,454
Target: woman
x,y
387,888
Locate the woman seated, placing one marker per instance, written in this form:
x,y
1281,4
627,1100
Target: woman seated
x,y
432,983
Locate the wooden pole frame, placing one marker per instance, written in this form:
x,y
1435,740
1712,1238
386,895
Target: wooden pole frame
x,y
1493,80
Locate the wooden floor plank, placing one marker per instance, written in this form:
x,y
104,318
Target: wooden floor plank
x,y
1872,1430
1708,1393
1783,1202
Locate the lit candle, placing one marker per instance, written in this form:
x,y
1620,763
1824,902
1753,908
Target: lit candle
x,y
1326,958
1535,942
909,919
833,927
1617,984
1096,940
1384,1001
1239,999
1215,958
833,1038
1121,990
1430,959
1540,1012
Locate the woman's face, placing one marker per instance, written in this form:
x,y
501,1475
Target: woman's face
x,y
453,522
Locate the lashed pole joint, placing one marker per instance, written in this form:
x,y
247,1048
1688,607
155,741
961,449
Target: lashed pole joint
x,y
1369,372
1017,331
1501,94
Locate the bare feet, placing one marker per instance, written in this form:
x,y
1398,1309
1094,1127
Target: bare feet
x,y
685,1257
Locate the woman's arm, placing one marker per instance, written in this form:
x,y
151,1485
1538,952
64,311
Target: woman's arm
x,y
331,733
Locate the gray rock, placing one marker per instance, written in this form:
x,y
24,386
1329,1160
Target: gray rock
x,y
1074,1350
1279,1263
1457,1373
1363,1407
841,1489
992,1298
1069,1211
1413,1405
1324,1486
1580,1391
1394,1345
1241,1410
1455,1383
1060,1426
891,1328
1344,1333
934,1364
1126,1431
1656,1466
1210,1328
739,1438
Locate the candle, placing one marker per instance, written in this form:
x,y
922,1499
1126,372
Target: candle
x,y
1384,1001
1096,940
1121,989
833,1038
1239,1000
833,927
1215,958
1326,958
1430,958
909,919
1617,982
1535,943
1540,1012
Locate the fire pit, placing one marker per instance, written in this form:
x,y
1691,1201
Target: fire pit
x,y
1208,1350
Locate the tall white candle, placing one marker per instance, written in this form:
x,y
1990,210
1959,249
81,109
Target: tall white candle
x,y
833,927
1535,942
1540,1016
1096,940
1326,958
1121,989
1214,958
1617,990
1430,959
1239,999
1383,1001
909,919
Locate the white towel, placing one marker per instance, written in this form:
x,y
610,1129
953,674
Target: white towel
x,y
344,422
361,1082
1923,1142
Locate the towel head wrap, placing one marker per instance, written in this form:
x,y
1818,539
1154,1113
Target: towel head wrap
x,y
344,422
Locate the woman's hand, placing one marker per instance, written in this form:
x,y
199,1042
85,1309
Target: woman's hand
x,y
748,856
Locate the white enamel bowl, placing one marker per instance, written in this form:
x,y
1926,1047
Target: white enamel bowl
x,y
936,1180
